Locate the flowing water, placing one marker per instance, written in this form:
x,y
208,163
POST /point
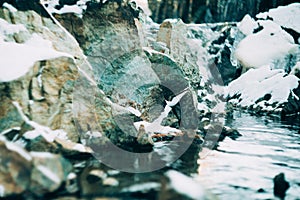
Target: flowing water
x,y
239,168
243,168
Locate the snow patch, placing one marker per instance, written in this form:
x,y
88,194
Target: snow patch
x,y
134,111
36,154
48,134
142,187
155,126
10,29
77,8
17,59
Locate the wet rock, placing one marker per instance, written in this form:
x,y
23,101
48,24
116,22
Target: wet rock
x,y
280,185
229,132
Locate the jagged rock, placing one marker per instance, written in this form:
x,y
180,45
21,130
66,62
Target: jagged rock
x,y
172,83
104,40
174,33
45,92
57,77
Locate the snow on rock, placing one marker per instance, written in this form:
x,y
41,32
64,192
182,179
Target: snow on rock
x,y
9,29
286,16
155,126
263,88
247,25
268,45
16,148
17,59
49,172
9,7
52,6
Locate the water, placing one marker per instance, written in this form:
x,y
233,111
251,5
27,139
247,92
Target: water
x,y
239,168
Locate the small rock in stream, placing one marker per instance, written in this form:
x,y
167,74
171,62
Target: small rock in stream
x,y
280,185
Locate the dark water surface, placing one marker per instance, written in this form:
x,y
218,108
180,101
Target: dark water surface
x,y
237,169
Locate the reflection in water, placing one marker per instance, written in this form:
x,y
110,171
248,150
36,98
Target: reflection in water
x,y
245,168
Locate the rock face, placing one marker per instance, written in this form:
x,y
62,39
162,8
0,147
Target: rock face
x,y
201,11
46,90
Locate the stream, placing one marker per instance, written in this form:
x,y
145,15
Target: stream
x,y
243,168
239,168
